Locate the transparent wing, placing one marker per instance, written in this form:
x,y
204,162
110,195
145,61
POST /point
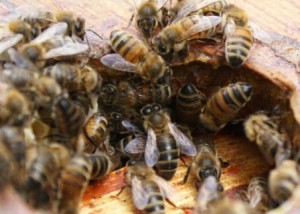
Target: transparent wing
x,y
115,61
203,23
9,42
161,3
260,34
151,150
131,127
190,6
166,189
186,146
139,195
68,49
57,29
21,61
136,146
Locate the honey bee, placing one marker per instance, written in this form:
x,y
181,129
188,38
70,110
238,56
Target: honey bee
x,y
258,194
69,118
81,99
73,181
52,43
224,105
134,56
14,106
76,25
101,165
205,7
148,189
261,129
23,28
174,37
283,180
97,133
147,17
73,77
189,103
239,38
164,141
206,163
210,192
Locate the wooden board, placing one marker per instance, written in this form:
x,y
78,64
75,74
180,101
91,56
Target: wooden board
x,y
273,60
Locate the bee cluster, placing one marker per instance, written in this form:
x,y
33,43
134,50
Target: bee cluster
x,y
63,125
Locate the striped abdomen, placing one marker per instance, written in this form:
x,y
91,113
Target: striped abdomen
x,y
82,100
215,7
225,104
189,104
69,118
155,204
129,47
101,165
73,181
168,156
160,94
258,194
95,130
237,46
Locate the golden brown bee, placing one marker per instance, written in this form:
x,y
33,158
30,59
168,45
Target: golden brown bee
x,y
206,163
97,133
52,43
164,141
69,118
224,105
173,37
210,192
205,7
261,129
148,189
258,194
101,165
238,37
134,56
73,77
189,104
14,108
147,17
76,25
283,180
73,180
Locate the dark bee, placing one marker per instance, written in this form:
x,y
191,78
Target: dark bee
x,y
189,104
224,105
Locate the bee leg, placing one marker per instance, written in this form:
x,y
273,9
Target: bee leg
x,y
130,21
181,51
187,174
197,184
121,190
223,163
171,203
183,161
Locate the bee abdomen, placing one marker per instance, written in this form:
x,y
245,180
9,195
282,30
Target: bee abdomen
x,y
127,46
168,158
156,201
237,47
101,165
189,103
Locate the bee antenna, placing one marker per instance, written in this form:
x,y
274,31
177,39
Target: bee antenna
x,y
95,33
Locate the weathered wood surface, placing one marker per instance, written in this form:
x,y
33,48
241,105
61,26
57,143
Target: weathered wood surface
x,y
274,59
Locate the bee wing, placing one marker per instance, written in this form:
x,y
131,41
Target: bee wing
x,y
136,146
189,6
7,43
186,146
151,150
204,23
139,195
131,127
20,60
166,189
115,61
161,3
57,29
69,49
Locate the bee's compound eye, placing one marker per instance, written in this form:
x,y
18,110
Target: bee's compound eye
x,y
162,48
156,107
146,110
